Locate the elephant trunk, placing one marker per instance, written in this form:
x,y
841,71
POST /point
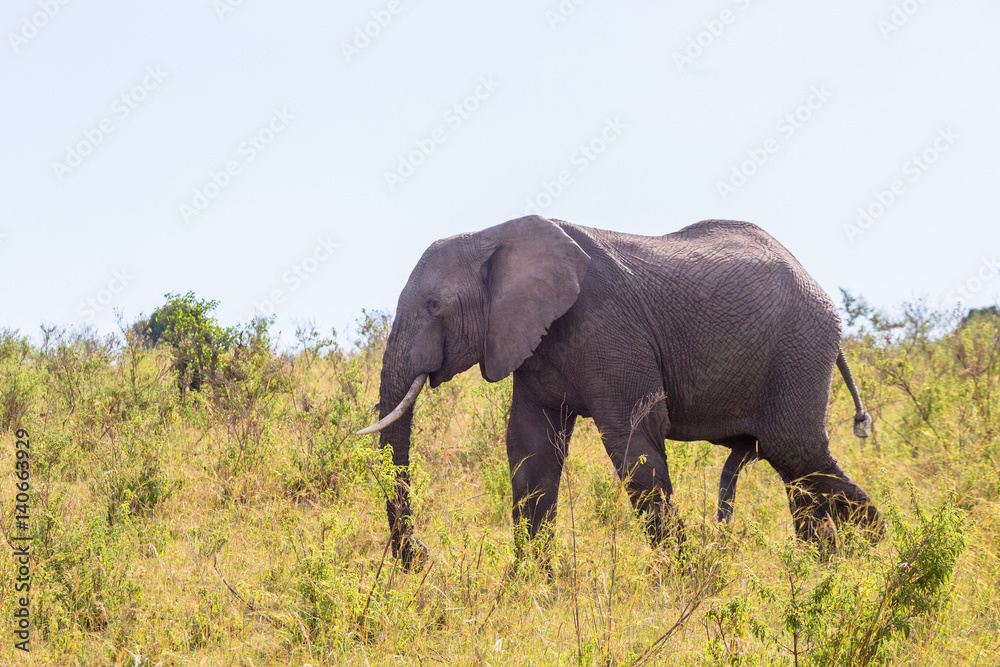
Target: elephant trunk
x,y
394,427
397,502
405,404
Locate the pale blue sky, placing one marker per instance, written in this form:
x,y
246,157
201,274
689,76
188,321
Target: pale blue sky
x,y
849,102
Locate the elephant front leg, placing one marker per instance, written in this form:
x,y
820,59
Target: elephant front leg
x,y
537,444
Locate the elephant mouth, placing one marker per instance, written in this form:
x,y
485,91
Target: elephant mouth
x,y
440,376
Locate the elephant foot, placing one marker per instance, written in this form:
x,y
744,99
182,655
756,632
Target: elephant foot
x,y
411,553
861,513
524,566
809,516
821,500
872,523
664,526
817,522
819,530
536,548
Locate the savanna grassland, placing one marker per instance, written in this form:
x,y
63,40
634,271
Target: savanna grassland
x,y
198,498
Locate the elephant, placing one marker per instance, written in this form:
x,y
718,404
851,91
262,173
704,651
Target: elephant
x,y
714,332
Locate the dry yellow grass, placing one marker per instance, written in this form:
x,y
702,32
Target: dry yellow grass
x,y
260,561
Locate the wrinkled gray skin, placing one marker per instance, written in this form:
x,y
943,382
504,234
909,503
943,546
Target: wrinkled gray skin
x,y
716,329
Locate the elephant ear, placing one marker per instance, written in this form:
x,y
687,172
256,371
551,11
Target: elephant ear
x,y
532,277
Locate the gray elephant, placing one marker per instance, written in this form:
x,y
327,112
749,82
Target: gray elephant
x,y
714,332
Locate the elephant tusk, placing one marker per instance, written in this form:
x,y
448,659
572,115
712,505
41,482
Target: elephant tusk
x,y
404,405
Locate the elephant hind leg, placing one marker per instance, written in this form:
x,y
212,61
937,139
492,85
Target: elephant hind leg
x,y
642,466
817,497
844,500
744,451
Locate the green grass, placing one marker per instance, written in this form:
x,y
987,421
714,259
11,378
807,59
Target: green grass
x,y
242,523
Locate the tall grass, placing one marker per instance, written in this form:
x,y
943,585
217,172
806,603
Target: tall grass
x,y
241,522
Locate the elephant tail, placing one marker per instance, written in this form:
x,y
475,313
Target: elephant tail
x,y
862,420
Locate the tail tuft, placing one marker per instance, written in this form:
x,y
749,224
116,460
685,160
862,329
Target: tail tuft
x,y
861,425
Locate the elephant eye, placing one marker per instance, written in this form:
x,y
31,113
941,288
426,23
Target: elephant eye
x,y
433,305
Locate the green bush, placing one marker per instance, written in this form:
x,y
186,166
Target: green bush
x,y
87,582
195,338
132,480
245,396
327,457
858,606
18,381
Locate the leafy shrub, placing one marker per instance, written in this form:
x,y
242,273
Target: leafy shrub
x,y
945,368
245,393
194,337
485,451
132,481
86,583
327,457
77,363
860,605
18,383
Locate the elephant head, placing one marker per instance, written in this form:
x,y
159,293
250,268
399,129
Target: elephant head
x,y
486,297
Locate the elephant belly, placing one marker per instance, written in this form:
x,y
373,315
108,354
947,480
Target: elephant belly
x,y
722,387
710,430
715,416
